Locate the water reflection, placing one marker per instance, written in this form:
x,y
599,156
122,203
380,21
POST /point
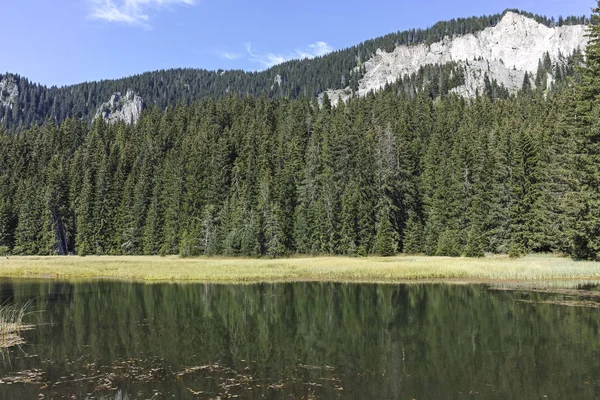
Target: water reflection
x,y
111,340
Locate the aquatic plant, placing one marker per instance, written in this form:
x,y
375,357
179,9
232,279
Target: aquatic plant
x,y
11,324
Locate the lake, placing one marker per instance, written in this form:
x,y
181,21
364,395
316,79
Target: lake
x,y
119,340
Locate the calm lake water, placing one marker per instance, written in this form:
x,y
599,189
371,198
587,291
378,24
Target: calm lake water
x,y
114,340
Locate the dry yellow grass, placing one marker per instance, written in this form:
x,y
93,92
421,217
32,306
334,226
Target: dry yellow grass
x,y
337,269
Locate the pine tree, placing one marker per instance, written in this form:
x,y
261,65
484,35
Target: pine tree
x,y
475,242
31,221
385,241
250,236
7,218
526,87
153,234
206,241
172,197
586,231
57,205
413,236
448,244
348,240
274,236
84,218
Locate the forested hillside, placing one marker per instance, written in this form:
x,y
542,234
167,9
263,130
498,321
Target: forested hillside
x,y
272,177
33,103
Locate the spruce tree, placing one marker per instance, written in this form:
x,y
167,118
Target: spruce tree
x,y
526,86
448,244
385,242
274,235
586,230
7,218
413,236
31,221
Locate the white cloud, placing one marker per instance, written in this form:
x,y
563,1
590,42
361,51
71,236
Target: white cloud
x,y
249,49
268,60
130,12
315,50
230,56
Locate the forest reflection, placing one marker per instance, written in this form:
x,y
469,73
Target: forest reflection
x,y
115,340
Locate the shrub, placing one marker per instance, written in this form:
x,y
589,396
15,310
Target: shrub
x,y
515,251
361,251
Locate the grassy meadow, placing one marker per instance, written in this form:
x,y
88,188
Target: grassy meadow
x,y
337,269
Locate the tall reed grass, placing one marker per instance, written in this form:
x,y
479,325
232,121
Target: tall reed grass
x,y
11,324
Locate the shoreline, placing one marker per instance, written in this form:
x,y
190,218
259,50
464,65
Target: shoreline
x,y
395,270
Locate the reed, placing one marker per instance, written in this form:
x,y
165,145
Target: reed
x,y
11,325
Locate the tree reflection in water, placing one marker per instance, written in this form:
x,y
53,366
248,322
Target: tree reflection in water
x,y
115,340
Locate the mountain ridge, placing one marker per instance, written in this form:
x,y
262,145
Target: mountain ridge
x,y
339,70
506,52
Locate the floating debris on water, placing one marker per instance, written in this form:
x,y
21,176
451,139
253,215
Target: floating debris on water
x,y
211,380
30,376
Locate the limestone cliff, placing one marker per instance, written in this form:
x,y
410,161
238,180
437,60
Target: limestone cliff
x,y
504,52
9,92
126,108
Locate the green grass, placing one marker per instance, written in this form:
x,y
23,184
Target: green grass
x,y
338,269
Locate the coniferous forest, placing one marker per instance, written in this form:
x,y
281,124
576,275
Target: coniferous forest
x,y
395,171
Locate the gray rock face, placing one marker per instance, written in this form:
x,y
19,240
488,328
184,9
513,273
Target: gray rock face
x,y
9,92
503,52
126,108
277,81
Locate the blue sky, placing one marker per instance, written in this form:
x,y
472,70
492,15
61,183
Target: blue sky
x,y
58,42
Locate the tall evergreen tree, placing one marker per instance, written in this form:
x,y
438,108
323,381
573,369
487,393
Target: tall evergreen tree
x,y
586,231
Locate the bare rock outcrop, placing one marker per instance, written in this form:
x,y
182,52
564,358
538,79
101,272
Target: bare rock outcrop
x,y
504,52
9,91
126,108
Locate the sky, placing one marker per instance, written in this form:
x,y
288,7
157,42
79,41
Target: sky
x,y
62,42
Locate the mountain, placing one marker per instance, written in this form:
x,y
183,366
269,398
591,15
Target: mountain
x,y
515,49
451,56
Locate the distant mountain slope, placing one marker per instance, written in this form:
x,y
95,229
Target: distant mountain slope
x,y
516,50
23,103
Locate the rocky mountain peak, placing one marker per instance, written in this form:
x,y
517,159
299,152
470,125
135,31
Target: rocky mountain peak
x,y
504,52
